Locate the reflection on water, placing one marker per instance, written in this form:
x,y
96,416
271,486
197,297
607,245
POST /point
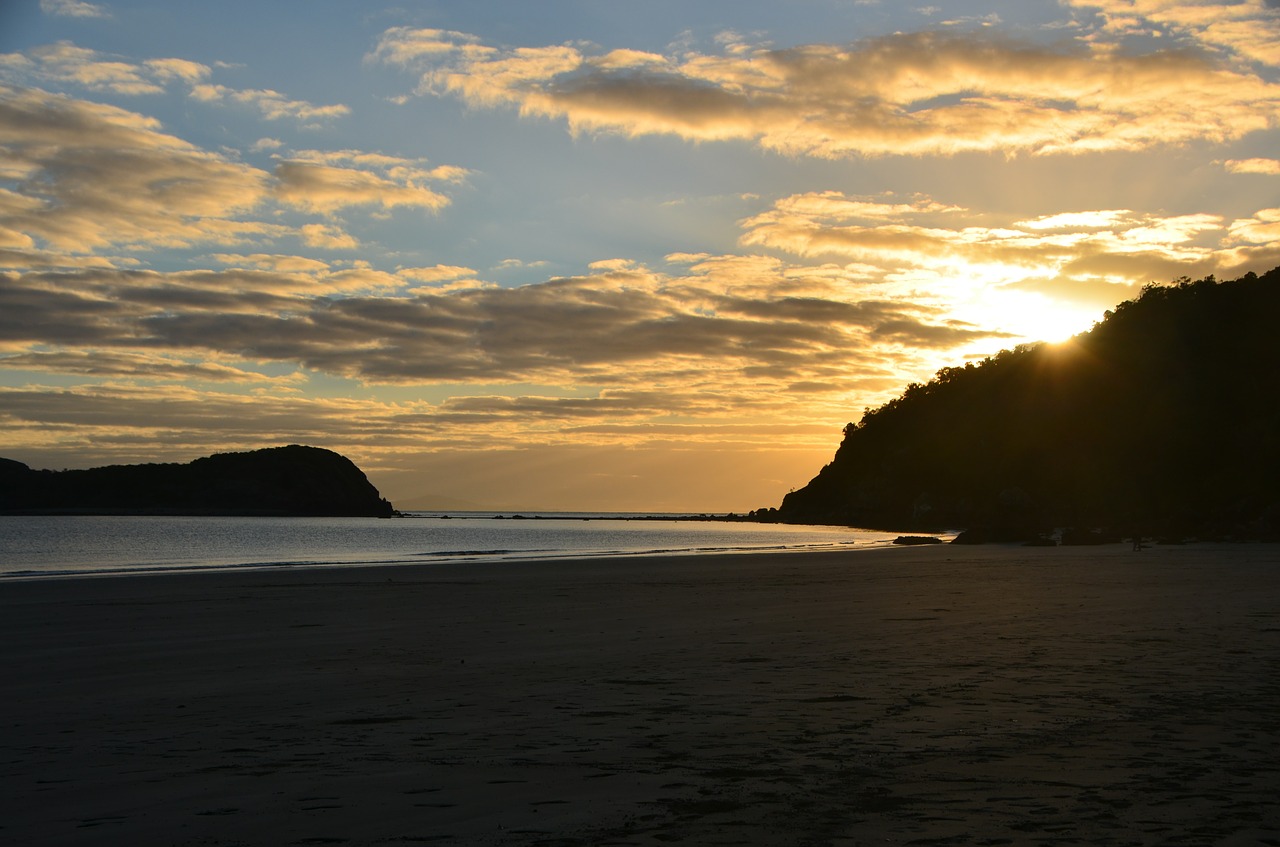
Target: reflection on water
x,y
45,546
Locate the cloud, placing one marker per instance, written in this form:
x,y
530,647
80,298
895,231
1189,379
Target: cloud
x,y
406,46
927,235
135,310
271,104
73,9
729,339
1269,167
328,237
514,264
1075,263
133,364
325,189
1262,229
631,326
120,414
78,177
1078,220
324,182
1248,29
981,20
117,414
613,265
273,262
437,273
913,94
95,176
65,63
178,69
950,334
39,259
835,204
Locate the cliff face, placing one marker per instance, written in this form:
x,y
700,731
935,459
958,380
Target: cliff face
x,y
1163,417
293,480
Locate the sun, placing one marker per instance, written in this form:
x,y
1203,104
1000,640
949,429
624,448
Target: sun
x,y
1034,317
1052,321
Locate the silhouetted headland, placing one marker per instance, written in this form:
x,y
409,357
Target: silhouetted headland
x,y
1162,421
283,481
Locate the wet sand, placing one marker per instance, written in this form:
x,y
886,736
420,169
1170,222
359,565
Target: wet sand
x,y
939,695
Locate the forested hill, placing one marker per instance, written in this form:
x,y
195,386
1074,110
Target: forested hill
x,y
293,480
1164,418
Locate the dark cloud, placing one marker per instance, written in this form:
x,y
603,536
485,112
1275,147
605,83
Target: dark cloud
x,y
918,334
100,363
614,329
40,315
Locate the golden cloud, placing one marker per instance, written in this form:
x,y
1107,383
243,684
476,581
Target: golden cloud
x,y
99,176
132,364
87,177
325,189
1102,219
115,413
327,236
926,234
324,181
273,262
271,104
1261,229
406,45
1269,167
178,69
913,94
437,273
66,63
1248,29
1041,278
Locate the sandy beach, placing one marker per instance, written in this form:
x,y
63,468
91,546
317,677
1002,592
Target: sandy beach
x,y
940,695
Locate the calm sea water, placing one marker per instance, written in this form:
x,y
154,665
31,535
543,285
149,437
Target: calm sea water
x,y
77,545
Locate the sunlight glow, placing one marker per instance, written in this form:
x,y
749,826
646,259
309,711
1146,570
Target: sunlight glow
x,y
1031,317
1041,318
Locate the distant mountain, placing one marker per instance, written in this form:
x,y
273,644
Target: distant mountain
x,y
1164,418
293,481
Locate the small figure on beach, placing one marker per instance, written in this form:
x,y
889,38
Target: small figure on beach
x,y
1137,541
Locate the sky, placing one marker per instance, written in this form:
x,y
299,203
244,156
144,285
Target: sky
x,y
590,254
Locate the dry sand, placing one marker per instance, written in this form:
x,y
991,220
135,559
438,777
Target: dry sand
x,y
936,695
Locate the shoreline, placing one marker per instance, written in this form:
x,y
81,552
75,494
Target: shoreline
x,y
515,560
533,558
50,548
940,694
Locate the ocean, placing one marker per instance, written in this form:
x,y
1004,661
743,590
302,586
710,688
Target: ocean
x,y
53,546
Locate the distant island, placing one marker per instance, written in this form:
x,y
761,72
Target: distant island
x,y
1163,420
278,481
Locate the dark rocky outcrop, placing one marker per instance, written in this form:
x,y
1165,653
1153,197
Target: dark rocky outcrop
x,y
289,481
916,540
1162,420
